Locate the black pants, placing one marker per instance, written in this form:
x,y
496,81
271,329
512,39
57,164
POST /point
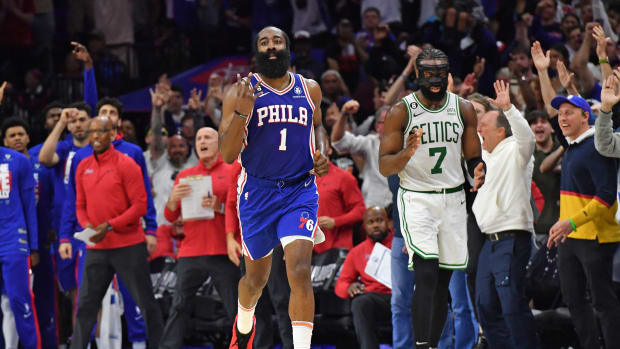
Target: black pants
x,y
370,309
587,264
278,293
130,263
191,274
475,240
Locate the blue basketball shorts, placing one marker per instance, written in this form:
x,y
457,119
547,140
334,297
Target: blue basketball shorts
x,y
272,210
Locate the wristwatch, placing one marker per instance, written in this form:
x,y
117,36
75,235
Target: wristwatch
x,y
110,228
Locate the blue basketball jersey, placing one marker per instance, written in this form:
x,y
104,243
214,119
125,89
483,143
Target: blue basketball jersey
x,y
279,141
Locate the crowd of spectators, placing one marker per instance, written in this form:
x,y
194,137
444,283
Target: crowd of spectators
x,y
59,58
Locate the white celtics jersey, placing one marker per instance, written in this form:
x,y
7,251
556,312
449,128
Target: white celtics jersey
x,y
436,164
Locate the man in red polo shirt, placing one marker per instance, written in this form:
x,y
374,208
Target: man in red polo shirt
x,y
111,199
371,299
203,251
341,206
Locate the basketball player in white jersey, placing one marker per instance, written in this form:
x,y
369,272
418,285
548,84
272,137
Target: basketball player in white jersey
x,y
426,134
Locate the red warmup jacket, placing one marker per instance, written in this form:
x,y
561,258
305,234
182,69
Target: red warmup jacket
x,y
232,217
354,266
339,198
205,237
109,187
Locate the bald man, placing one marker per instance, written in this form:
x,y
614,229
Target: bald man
x,y
111,199
370,302
203,252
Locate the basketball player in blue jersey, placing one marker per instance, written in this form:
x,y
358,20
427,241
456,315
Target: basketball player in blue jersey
x,y
272,122
425,136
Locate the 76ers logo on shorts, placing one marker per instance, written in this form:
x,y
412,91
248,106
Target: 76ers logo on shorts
x,y
305,220
5,181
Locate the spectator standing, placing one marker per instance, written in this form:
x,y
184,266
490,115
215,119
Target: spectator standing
x,y
370,302
166,163
503,212
375,187
587,233
549,181
203,252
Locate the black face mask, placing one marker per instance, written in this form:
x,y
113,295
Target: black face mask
x,y
273,68
378,237
435,80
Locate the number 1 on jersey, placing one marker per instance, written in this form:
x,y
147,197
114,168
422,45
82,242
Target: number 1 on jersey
x,y
282,140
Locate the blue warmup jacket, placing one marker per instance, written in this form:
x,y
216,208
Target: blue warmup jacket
x,y
18,211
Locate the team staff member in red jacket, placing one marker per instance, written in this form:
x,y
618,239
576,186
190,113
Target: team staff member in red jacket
x,y
371,299
203,251
341,206
110,198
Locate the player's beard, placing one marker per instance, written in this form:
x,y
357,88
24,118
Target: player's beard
x,y
425,86
273,68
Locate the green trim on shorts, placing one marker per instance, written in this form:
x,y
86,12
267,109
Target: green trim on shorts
x,y
454,266
407,236
403,221
439,191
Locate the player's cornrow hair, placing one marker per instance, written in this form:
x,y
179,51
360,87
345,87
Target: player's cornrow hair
x,y
430,53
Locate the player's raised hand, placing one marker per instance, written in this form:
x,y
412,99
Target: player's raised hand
x,y
502,95
81,53
67,115
321,165
245,93
413,141
2,91
479,175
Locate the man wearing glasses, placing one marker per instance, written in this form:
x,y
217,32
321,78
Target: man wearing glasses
x,y
111,198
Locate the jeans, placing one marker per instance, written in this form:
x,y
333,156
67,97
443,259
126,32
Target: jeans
x,y
461,328
503,307
402,293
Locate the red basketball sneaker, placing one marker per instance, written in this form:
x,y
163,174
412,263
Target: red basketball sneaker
x,y
240,340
